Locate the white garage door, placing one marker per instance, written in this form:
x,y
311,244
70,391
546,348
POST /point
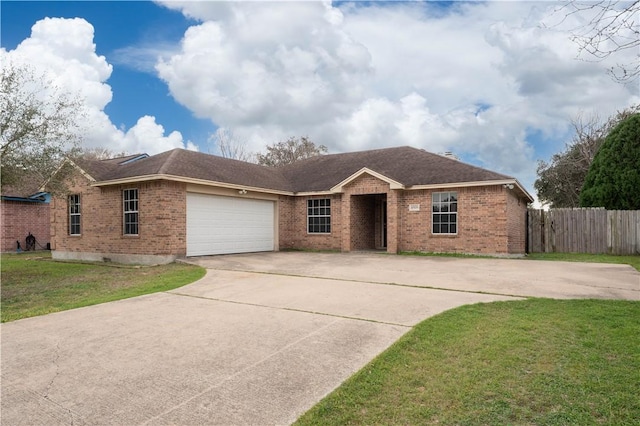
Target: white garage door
x,y
221,225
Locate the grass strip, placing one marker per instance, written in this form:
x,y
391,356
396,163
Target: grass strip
x,y
537,361
633,260
35,285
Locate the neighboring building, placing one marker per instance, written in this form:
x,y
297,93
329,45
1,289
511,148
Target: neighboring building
x,y
22,215
183,203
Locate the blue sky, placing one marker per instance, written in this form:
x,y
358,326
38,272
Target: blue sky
x,y
118,24
497,83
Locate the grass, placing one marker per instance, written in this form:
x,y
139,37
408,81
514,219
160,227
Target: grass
x,y
33,284
537,361
633,260
443,254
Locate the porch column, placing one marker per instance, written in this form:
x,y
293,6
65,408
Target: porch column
x,y
393,226
346,222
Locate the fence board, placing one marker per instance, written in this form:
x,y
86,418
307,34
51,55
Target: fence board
x,y
584,230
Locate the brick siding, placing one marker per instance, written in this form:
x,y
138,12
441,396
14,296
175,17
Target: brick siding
x,y
293,224
491,220
516,224
162,220
483,219
21,218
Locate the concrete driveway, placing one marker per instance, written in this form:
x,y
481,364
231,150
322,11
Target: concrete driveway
x,y
259,340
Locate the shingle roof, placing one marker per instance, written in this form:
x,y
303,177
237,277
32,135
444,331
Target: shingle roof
x,y
406,165
194,165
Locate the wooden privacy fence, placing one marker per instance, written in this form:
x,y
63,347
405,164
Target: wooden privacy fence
x,y
583,230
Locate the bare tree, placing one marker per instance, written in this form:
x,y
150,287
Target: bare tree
x,y
229,146
290,151
99,153
561,180
612,26
39,126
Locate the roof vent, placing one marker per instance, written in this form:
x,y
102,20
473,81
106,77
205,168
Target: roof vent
x,y
451,155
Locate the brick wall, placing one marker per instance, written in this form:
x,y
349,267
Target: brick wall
x,y
516,223
485,223
21,218
490,220
162,221
293,224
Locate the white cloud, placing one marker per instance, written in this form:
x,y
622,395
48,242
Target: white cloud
x,y
473,78
62,50
269,64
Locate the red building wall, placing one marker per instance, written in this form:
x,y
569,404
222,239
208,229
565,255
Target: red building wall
x,y
21,218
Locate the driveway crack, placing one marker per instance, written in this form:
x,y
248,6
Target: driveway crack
x,y
53,379
175,293
57,371
238,373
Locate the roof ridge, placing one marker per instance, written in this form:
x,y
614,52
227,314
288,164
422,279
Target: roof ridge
x,y
166,164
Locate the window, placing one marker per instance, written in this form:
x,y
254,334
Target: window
x,y
130,209
445,213
74,214
319,216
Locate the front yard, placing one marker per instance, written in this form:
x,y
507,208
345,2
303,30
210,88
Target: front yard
x,y
531,362
536,361
33,284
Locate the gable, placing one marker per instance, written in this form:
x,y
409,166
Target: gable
x,y
354,178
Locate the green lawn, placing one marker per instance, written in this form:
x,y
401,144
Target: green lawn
x,y
583,257
33,284
531,362
633,260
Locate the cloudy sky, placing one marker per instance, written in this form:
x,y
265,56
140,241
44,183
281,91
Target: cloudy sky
x,y
497,83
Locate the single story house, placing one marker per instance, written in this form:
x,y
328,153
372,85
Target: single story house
x,y
154,209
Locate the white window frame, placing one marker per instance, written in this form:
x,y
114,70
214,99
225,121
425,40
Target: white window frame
x,y
75,214
130,206
444,205
319,210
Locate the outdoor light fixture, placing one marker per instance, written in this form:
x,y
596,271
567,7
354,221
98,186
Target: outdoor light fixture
x,y
242,191
508,185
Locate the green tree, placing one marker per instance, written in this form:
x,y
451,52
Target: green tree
x,y
39,126
560,181
290,151
613,181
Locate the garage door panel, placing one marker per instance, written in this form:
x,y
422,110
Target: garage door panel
x,y
222,225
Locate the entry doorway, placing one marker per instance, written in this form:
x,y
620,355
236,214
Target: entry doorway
x,y
369,222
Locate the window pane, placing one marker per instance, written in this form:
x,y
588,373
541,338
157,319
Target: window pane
x,y
319,215
444,212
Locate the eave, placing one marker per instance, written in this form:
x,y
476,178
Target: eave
x,y
174,178
503,182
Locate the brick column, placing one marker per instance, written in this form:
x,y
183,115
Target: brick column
x,y
346,222
393,234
